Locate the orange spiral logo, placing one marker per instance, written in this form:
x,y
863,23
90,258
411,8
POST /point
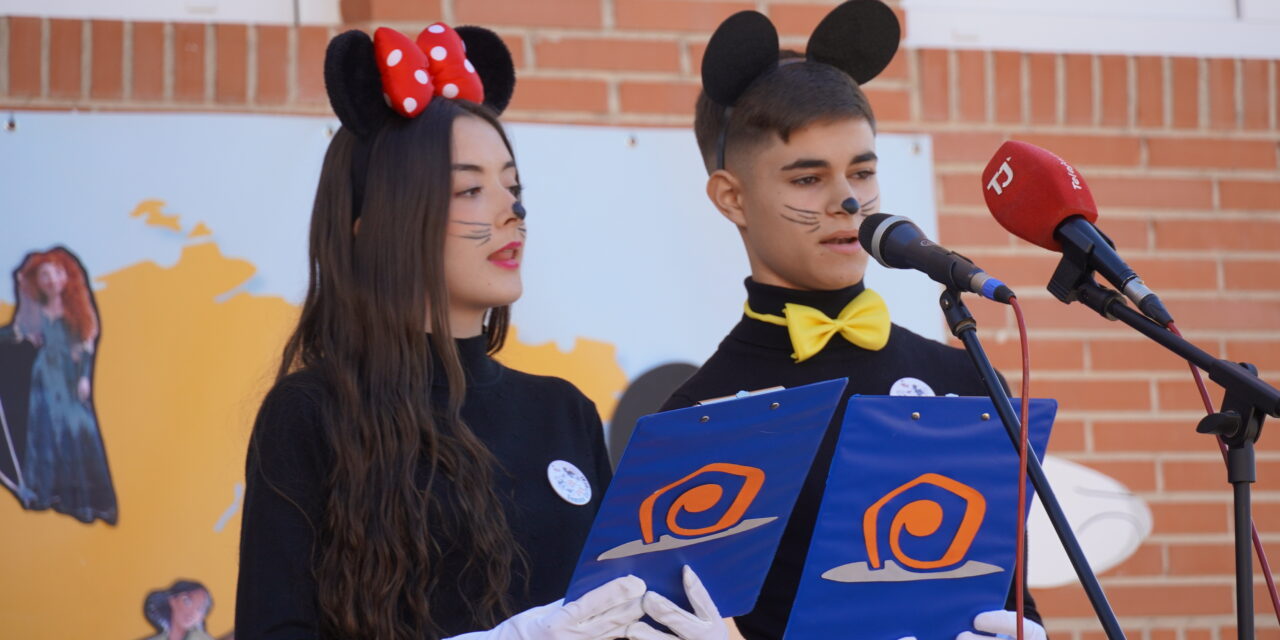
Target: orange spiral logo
x,y
922,518
701,498
692,497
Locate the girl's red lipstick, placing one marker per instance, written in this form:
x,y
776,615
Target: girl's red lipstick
x,y
507,257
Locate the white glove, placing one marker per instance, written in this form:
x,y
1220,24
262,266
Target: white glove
x,y
704,623
600,614
1001,624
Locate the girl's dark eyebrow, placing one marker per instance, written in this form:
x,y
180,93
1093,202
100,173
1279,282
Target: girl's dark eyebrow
x,y
864,157
477,168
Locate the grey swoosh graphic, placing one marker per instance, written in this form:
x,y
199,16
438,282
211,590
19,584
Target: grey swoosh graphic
x,y
665,542
861,572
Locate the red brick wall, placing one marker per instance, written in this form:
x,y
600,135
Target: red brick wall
x,y
1181,154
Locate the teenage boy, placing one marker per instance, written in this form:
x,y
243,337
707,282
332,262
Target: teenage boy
x,y
793,166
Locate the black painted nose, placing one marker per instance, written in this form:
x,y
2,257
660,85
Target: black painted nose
x,y
851,205
518,209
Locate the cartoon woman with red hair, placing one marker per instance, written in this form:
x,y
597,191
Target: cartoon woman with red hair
x,y
64,465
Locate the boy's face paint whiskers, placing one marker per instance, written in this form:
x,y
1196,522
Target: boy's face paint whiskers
x,y
812,220
791,205
803,217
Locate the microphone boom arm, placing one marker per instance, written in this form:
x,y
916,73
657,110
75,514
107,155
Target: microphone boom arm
x,y
1229,375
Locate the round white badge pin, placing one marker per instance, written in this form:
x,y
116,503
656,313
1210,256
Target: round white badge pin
x,y
569,482
911,387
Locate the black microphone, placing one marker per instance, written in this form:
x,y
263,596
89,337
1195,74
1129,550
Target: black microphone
x,y
898,243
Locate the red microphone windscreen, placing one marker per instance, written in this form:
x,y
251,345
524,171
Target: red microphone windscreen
x,y
1030,191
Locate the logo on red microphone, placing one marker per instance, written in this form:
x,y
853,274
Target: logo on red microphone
x,y
1006,172
1075,179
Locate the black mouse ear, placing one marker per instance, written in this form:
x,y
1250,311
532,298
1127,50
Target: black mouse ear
x,y
354,85
742,49
858,37
492,60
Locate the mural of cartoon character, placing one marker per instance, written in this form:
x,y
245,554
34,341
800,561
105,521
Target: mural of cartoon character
x,y
61,463
179,612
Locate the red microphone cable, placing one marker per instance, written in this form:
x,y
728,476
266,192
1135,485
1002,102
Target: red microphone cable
x,y
1020,564
1222,447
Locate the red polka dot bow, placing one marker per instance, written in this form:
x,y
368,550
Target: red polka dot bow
x,y
436,65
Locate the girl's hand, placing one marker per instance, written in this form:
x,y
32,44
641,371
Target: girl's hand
x,y
603,613
704,623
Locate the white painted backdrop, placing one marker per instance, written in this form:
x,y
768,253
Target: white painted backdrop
x,y
624,247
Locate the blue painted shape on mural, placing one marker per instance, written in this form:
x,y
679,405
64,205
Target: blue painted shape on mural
x,y
709,486
915,535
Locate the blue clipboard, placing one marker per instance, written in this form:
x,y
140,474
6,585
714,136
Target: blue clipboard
x,y
709,486
916,532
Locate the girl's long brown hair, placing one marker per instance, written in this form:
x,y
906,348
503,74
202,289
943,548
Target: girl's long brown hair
x,y
361,329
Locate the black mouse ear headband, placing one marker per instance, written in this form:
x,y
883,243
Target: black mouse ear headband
x,y
370,81
858,37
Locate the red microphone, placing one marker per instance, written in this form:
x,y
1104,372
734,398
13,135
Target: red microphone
x,y
1040,198
1046,191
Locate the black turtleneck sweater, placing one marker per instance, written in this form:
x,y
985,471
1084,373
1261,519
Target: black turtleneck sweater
x,y
757,355
527,422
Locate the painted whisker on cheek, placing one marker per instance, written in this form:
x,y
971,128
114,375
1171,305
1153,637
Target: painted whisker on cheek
x,y
867,207
804,211
482,231
800,221
806,218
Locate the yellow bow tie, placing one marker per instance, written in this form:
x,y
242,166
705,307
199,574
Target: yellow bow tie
x,y
863,322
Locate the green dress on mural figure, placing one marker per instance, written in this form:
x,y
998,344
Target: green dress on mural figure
x,y
64,466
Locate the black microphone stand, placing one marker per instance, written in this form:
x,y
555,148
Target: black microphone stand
x,y
1247,402
965,328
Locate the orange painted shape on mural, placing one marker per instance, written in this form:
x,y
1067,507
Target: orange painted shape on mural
x,y
701,498
923,517
175,438
155,217
591,365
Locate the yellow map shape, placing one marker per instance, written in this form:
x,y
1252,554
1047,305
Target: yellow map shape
x,y
200,231
592,366
178,381
155,217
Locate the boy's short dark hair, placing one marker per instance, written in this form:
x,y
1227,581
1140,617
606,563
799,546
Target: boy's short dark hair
x,y
795,95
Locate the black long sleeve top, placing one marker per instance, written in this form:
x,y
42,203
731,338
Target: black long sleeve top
x,y
757,355
527,421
